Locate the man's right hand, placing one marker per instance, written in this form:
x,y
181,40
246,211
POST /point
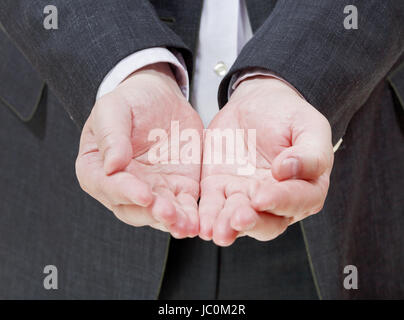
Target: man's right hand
x,y
113,165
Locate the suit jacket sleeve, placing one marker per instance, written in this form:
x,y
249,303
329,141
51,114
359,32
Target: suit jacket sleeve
x,y
92,37
335,69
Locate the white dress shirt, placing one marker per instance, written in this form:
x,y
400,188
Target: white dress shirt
x,y
224,30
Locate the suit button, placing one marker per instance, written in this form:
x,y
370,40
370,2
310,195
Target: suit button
x,y
220,69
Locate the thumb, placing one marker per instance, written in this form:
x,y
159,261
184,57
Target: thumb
x,y
305,160
112,126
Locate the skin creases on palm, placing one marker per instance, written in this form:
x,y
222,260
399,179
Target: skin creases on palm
x,y
227,187
174,184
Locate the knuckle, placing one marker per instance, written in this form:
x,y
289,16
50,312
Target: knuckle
x,y
324,184
323,162
263,237
127,216
120,214
317,209
324,122
106,137
80,176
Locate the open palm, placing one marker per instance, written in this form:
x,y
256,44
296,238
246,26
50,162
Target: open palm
x,y
114,163
289,165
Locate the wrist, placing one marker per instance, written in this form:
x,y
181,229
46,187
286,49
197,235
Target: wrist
x,y
159,74
160,70
267,83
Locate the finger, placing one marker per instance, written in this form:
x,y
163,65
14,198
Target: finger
x,y
124,188
188,204
308,158
88,143
244,218
159,226
134,215
210,205
151,216
223,233
268,227
116,189
178,229
289,198
112,127
164,211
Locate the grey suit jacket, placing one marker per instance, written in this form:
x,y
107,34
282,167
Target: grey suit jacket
x,y
354,77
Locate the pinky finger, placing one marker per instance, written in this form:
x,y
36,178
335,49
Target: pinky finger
x,y
268,227
134,215
244,219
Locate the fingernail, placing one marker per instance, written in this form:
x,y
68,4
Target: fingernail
x,y
291,166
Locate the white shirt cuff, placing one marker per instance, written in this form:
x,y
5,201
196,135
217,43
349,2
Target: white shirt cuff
x,y
140,59
253,72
